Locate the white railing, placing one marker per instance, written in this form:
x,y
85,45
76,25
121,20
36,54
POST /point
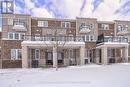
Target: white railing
x,y
53,38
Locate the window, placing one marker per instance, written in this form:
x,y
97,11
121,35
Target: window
x,y
20,22
42,23
65,25
22,36
122,27
89,38
91,26
86,26
105,26
16,36
16,54
37,54
10,21
10,36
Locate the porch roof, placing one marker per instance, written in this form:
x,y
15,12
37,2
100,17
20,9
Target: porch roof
x,y
112,44
53,43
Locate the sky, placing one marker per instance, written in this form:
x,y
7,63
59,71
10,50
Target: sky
x,y
105,10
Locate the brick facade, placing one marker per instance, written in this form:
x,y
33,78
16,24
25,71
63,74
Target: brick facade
x,y
55,25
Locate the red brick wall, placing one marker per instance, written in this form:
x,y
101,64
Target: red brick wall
x,y
6,46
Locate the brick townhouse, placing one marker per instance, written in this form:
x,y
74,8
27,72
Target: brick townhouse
x,y
32,42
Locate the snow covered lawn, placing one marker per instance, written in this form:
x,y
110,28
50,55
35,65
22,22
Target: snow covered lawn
x,y
115,75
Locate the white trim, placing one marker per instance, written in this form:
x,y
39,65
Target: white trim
x,y
65,24
104,26
19,36
38,54
42,23
16,54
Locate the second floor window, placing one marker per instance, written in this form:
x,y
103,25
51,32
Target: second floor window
x,y
122,27
65,24
88,38
86,26
16,36
20,22
42,23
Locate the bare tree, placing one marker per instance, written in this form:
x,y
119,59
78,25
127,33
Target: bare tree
x,y
57,41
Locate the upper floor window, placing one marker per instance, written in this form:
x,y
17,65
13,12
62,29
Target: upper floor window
x,y
16,54
89,38
122,27
86,26
16,36
10,21
42,23
65,25
20,22
105,26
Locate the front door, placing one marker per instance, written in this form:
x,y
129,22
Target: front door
x,y
72,57
49,57
35,61
60,57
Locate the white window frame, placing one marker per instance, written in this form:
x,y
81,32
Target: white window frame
x,y
123,27
19,21
15,55
36,54
64,24
13,33
91,26
105,26
10,21
9,36
87,26
42,23
15,36
89,38
20,36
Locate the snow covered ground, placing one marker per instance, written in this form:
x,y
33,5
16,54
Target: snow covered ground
x,y
115,75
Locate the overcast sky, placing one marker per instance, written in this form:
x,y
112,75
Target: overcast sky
x,y
100,9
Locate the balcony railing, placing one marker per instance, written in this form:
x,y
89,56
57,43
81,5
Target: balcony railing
x,y
123,32
53,38
19,26
118,39
84,29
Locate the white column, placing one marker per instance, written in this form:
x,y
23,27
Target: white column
x,y
104,55
24,57
82,55
97,56
55,57
125,54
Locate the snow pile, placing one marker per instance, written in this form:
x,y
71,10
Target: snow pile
x,y
116,75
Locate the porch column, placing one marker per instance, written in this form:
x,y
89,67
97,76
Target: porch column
x,y
104,55
24,57
82,55
125,54
55,57
97,56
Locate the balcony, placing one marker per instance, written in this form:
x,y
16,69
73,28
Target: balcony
x,y
66,41
19,27
53,38
84,29
123,32
112,40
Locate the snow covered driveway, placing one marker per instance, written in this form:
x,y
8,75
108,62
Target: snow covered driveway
x,y
116,75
